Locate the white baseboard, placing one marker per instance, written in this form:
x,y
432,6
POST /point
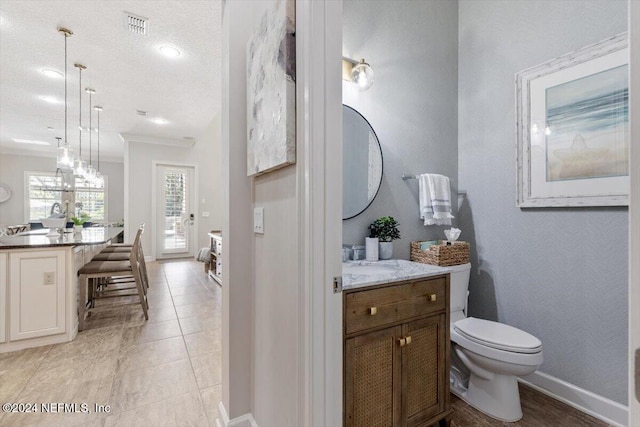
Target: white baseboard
x,y
245,420
588,402
149,258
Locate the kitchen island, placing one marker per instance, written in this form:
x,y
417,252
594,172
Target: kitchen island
x,y
39,284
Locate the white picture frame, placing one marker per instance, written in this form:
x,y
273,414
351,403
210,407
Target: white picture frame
x,y
572,128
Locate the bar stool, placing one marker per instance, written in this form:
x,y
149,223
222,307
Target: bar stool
x,y
92,273
121,247
122,253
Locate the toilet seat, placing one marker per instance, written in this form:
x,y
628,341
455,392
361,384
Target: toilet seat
x,y
498,335
462,335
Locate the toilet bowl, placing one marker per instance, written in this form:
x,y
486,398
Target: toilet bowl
x,y
487,357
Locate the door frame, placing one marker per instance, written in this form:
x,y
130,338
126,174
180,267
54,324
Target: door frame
x,y
154,203
634,207
319,143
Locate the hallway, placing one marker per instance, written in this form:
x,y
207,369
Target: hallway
x,y
164,372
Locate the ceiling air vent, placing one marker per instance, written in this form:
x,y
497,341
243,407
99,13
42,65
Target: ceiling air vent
x,y
141,113
136,24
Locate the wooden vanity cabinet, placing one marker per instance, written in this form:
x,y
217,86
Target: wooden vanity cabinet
x,y
396,354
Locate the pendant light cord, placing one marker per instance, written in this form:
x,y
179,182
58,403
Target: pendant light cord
x,y
65,89
80,113
98,140
90,131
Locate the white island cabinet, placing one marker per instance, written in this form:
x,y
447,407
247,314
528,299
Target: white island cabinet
x,y
4,276
39,286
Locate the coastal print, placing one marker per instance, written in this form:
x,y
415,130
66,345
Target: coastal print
x,y
587,127
271,90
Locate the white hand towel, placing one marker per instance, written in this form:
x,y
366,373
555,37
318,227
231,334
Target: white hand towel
x,y
435,199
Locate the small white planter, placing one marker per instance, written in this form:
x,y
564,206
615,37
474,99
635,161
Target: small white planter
x,y
77,229
371,248
385,250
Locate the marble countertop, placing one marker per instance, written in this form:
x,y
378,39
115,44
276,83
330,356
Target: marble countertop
x,y
360,274
39,238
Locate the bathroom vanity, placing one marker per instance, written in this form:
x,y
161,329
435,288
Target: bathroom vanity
x,y
396,344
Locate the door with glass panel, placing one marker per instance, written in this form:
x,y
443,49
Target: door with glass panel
x,y
175,211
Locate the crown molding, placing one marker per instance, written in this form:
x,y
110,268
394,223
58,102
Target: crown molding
x,y
145,139
51,155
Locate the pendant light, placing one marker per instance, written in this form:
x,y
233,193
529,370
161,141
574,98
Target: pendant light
x,y
80,166
64,153
91,172
99,177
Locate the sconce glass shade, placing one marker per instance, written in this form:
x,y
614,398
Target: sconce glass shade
x,y
362,75
80,168
65,158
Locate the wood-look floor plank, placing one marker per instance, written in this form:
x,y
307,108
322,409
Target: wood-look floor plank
x,y
538,410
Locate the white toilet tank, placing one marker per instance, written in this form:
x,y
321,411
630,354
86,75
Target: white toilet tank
x,y
459,285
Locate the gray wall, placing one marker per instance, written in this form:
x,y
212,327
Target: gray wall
x,y
205,154
412,105
13,167
560,274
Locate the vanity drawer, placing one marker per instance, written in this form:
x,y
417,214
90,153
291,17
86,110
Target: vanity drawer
x,y
371,308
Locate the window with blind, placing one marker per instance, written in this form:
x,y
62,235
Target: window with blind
x,y
43,190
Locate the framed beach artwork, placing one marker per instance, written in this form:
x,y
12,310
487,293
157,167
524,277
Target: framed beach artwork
x,y
271,90
573,128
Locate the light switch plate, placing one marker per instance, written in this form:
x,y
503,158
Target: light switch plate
x,y
49,278
258,220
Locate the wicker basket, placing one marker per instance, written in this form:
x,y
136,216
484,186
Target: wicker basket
x,y
443,255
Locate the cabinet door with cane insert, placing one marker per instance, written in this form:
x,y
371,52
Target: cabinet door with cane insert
x,y
425,387
372,379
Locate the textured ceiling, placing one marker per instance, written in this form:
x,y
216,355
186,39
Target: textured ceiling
x,y
126,70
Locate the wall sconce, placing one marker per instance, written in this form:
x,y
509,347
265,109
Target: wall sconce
x,y
359,73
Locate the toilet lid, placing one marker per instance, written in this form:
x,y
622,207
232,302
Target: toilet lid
x,y
497,335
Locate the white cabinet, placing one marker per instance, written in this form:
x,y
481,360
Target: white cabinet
x,y
4,274
37,288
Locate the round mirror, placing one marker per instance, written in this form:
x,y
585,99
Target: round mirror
x,y
361,163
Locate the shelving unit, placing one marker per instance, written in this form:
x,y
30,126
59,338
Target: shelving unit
x,y
215,252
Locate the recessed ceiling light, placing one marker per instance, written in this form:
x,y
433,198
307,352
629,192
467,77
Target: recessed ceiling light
x,y
169,51
54,74
51,99
159,121
30,141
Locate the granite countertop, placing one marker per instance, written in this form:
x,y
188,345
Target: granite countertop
x,y
360,274
39,238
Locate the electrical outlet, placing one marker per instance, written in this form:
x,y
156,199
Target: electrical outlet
x,y
205,214
258,220
49,278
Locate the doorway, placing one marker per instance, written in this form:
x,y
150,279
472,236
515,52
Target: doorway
x,y
174,216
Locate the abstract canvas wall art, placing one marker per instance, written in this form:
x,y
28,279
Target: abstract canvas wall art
x,y
271,90
573,128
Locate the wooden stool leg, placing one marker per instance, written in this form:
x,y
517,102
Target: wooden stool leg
x,y
84,283
143,299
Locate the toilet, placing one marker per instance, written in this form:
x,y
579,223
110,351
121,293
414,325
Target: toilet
x,y
487,357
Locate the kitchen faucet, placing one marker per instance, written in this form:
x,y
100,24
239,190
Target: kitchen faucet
x,y
56,206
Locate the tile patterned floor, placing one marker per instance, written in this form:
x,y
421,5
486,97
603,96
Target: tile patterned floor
x,y
164,372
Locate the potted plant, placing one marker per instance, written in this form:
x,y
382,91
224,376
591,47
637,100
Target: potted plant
x,y
386,230
78,222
